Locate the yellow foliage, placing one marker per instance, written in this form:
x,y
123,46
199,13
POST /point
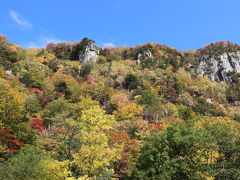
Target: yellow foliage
x,y
102,58
183,77
172,109
84,104
130,62
33,54
161,52
2,72
93,159
56,170
129,111
119,68
86,177
119,98
94,119
95,156
11,104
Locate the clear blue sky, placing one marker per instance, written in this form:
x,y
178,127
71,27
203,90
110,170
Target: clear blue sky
x,y
183,24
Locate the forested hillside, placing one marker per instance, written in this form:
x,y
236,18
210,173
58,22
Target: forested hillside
x,y
77,111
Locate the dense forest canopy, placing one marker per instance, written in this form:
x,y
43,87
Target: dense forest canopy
x,y
138,113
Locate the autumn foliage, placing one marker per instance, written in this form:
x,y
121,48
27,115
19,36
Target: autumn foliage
x,y
117,118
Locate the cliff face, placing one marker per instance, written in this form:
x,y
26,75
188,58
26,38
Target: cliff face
x,y
218,67
218,61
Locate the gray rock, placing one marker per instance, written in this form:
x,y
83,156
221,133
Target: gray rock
x,y
89,55
9,72
236,103
209,100
218,67
143,56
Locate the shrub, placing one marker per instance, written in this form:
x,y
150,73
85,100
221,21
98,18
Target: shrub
x,y
9,53
86,69
177,153
33,79
237,117
157,62
148,98
32,105
233,93
80,47
131,82
185,112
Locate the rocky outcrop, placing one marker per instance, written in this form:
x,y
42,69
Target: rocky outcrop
x,y
89,54
218,67
143,56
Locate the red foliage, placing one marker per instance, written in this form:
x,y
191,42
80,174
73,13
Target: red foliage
x,y
62,50
8,141
130,148
167,88
38,124
157,126
35,90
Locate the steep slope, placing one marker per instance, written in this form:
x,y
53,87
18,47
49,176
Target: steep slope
x,y
219,61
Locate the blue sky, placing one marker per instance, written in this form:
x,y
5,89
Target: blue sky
x,y
183,24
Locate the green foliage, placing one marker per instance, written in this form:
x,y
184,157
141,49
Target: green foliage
x,y
185,112
86,69
219,48
157,62
80,47
61,87
24,133
131,82
31,69
186,126
225,133
148,98
33,79
54,108
237,117
32,164
32,105
66,85
175,154
233,93
9,53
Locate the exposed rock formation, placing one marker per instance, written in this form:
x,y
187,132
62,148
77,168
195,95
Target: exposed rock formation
x,y
218,67
143,56
89,54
